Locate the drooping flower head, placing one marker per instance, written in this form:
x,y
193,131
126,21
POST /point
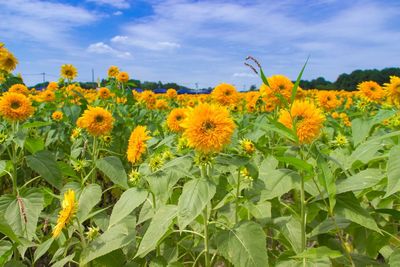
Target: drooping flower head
x,y
208,128
69,208
137,144
15,107
175,118
97,121
68,71
8,62
307,119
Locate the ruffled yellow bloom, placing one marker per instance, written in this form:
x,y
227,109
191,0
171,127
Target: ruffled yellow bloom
x,y
393,89
113,71
161,104
57,115
52,86
48,96
371,90
68,211
123,77
97,121
328,100
137,144
278,85
68,71
171,93
104,93
8,62
307,119
175,118
15,107
225,94
208,128
248,146
19,88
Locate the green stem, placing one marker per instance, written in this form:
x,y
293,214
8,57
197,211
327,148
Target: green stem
x,y
94,156
14,159
204,175
237,198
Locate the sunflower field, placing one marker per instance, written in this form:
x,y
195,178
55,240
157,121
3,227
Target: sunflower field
x,y
275,177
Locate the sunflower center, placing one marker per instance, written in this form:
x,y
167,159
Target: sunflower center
x,y
68,72
15,104
178,118
328,98
227,93
99,118
281,87
373,89
208,125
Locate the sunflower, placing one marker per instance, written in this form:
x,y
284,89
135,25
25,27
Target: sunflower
x,y
57,115
52,86
393,89
307,119
68,71
278,85
171,93
19,88
48,96
123,77
113,71
104,93
175,118
371,90
15,107
97,121
328,100
247,146
137,144
69,208
208,128
161,104
225,94
8,62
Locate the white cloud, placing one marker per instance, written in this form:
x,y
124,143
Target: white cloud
x,y
119,39
113,3
244,75
118,13
102,48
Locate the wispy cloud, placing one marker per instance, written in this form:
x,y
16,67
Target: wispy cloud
x,y
114,3
102,48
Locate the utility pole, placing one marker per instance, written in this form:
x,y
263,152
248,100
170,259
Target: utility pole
x,y
197,86
44,76
92,75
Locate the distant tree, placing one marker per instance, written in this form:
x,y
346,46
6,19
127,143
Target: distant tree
x,y
253,87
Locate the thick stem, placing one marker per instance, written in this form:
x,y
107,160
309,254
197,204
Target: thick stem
x,y
303,218
94,158
237,198
204,175
14,159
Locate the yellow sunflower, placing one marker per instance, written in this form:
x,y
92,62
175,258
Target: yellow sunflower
x,y
97,121
52,86
19,88
171,93
393,89
48,96
69,208
278,85
15,107
104,93
307,119
8,62
68,71
161,104
113,71
371,90
137,144
57,115
225,94
208,128
248,146
123,77
328,100
175,118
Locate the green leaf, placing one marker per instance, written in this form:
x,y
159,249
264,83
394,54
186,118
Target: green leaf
x,y
6,251
112,167
22,212
244,245
36,124
157,228
114,238
45,164
277,182
42,249
64,261
360,181
349,207
296,84
34,145
327,179
393,171
90,196
128,201
6,229
319,252
394,259
195,195
297,163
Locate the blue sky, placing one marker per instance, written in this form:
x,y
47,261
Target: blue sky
x,y
202,42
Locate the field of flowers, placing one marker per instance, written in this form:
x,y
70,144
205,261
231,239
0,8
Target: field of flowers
x,y
276,177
